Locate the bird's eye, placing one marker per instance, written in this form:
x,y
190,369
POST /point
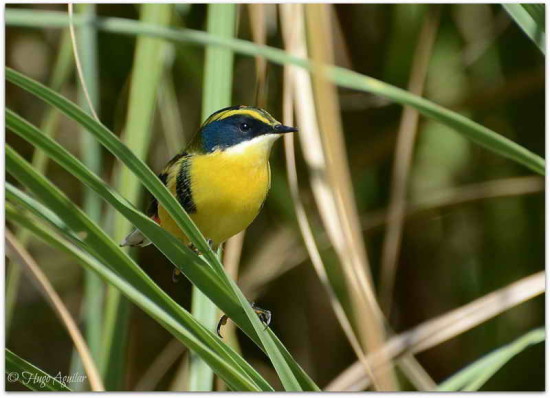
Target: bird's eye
x,y
245,127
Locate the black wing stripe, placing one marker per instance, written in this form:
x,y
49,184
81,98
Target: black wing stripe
x,y
153,209
183,187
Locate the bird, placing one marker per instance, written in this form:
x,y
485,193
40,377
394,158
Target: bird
x,y
222,178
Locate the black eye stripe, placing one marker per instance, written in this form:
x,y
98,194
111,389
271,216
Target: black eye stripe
x,y
226,132
254,125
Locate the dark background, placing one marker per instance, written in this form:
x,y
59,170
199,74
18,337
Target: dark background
x,y
482,65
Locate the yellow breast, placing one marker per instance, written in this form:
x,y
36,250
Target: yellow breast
x,y
228,188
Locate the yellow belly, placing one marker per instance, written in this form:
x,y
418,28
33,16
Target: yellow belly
x,y
228,189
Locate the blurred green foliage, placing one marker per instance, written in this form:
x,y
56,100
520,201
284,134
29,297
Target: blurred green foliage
x,y
483,66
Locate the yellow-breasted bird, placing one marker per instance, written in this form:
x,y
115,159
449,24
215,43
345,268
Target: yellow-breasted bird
x,y
223,177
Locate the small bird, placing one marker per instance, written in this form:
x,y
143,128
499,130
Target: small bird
x,y
222,178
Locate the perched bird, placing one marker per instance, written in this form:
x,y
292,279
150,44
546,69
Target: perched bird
x,y
223,177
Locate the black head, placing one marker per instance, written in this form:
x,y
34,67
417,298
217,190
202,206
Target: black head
x,y
234,125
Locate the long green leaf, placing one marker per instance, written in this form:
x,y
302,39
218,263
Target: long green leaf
x,y
340,76
165,241
536,10
217,85
475,375
534,29
230,304
146,77
147,70
14,194
72,216
19,370
122,152
275,352
225,369
97,241
62,70
92,304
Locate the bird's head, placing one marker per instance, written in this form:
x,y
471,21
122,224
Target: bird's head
x,y
235,125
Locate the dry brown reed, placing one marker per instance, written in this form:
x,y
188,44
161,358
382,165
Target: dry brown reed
x,y
443,328
21,256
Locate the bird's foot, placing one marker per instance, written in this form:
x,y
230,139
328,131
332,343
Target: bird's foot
x,y
176,273
222,322
196,250
264,315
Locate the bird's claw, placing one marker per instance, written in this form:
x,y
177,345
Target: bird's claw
x,y
222,322
210,243
264,315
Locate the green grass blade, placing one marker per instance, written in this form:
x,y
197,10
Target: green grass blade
x,y
227,370
62,70
533,28
99,243
147,70
22,201
27,131
29,375
197,269
218,65
94,243
475,375
91,150
537,13
146,76
284,370
228,302
123,153
342,77
200,376
92,304
217,85
13,194
188,262
468,128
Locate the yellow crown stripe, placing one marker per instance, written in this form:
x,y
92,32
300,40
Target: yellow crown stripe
x,y
248,112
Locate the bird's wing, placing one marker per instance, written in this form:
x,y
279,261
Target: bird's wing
x,y
136,238
183,184
179,160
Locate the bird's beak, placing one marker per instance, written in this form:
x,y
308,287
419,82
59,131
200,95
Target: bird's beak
x,y
282,129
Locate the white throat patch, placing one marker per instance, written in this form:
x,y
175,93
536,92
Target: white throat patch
x,y
261,143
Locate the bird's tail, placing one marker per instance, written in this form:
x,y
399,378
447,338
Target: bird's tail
x,y
135,239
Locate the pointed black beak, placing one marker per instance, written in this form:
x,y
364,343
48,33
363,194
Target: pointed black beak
x,y
282,129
